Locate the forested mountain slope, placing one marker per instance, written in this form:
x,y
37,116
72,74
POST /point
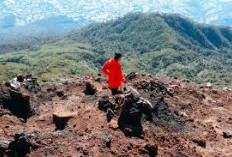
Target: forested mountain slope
x,y
162,44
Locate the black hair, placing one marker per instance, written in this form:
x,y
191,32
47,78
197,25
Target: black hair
x,y
117,55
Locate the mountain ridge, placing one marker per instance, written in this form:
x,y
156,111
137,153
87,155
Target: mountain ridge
x,y
160,44
15,14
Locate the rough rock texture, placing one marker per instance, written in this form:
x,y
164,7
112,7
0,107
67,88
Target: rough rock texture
x,y
4,143
21,145
61,119
189,122
89,89
23,95
131,76
227,134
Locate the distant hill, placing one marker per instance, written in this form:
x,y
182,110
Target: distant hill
x,y
152,32
162,44
166,44
56,25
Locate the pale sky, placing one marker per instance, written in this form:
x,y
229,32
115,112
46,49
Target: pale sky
x,y
28,11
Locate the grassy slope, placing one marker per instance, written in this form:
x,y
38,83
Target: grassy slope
x,y
58,59
166,45
151,43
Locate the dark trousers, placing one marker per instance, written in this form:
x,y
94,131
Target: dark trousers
x,y
114,91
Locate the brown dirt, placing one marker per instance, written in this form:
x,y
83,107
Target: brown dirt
x,y
191,124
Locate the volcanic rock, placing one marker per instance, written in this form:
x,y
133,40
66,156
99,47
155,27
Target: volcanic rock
x,y
21,145
17,95
20,78
130,118
109,114
152,149
19,104
145,104
60,93
220,103
214,91
104,103
128,132
90,89
134,92
113,124
200,142
131,76
151,85
227,134
4,143
61,119
171,91
108,141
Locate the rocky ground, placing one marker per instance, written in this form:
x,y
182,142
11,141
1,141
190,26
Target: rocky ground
x,y
152,116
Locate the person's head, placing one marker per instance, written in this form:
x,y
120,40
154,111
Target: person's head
x,y
117,56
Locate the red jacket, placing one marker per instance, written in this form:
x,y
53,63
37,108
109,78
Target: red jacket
x,y
112,69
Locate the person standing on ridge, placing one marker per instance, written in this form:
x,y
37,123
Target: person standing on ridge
x,y
113,71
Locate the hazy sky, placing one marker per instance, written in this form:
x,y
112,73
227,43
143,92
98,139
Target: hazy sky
x,y
28,11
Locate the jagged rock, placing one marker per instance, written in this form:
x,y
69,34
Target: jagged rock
x,y
202,95
60,93
21,145
108,141
109,114
220,103
133,106
214,91
134,92
61,118
128,131
113,124
14,84
186,106
4,143
85,152
20,78
200,142
18,103
104,103
17,95
183,114
152,85
145,104
170,91
131,76
152,149
98,79
90,89
227,134
25,96
7,83
130,118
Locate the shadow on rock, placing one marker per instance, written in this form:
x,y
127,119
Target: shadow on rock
x,y
21,146
21,96
132,109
